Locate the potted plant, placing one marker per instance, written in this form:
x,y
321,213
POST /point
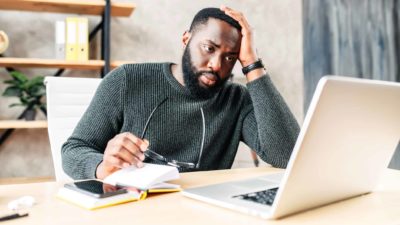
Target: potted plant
x,y
29,91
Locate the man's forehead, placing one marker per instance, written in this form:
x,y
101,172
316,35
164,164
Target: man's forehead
x,y
219,32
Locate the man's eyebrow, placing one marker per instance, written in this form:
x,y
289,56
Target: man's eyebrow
x,y
213,43
218,46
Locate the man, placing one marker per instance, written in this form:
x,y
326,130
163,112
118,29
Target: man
x,y
186,115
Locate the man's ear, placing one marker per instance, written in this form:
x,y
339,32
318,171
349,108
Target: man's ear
x,y
186,37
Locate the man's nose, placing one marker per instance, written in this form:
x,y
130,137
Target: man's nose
x,y
215,64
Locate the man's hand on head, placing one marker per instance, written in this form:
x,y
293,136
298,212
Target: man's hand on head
x,y
247,54
123,150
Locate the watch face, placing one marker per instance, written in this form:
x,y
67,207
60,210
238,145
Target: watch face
x,y
3,42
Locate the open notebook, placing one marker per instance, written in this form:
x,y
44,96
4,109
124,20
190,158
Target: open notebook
x,y
150,177
138,181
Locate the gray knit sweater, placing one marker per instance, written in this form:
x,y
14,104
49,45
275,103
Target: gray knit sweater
x,y
256,115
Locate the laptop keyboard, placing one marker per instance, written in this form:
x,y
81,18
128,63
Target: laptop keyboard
x,y
265,197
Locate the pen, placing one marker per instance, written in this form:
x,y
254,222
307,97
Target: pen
x,y
13,216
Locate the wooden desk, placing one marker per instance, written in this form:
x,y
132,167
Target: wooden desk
x,y
380,207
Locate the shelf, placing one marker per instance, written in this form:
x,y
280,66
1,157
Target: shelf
x,y
7,124
25,180
54,63
88,7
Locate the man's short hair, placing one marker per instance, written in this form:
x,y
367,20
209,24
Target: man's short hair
x,y
203,15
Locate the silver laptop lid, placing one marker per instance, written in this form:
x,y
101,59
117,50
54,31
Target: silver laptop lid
x,y
347,139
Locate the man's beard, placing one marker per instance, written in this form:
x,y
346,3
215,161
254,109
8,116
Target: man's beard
x,y
191,78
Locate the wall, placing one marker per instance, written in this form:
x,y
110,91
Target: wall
x,y
152,33
354,38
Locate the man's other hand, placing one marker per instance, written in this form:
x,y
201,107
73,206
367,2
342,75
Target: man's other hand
x,y
247,54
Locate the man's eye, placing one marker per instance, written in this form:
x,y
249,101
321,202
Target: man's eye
x,y
230,58
208,48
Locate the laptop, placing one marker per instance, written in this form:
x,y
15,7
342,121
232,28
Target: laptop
x,y
347,139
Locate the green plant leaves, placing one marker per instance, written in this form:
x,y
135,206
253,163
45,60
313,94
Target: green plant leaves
x,y
13,82
36,82
19,76
12,91
15,104
29,91
37,91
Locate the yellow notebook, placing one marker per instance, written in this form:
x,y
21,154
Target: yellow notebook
x,y
87,202
163,190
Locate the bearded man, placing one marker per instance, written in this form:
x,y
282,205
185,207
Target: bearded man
x,y
188,115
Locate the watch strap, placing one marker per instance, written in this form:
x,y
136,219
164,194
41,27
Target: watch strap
x,y
257,64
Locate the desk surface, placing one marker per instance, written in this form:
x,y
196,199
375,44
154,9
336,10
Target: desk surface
x,y
380,207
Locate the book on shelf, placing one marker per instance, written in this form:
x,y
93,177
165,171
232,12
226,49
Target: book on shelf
x,y
77,38
71,42
151,178
60,40
82,39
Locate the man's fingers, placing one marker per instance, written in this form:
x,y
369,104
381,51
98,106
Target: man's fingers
x,y
123,159
137,141
114,161
247,50
130,158
146,142
238,16
124,150
131,147
224,8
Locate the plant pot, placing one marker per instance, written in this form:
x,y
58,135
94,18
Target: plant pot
x,y
30,114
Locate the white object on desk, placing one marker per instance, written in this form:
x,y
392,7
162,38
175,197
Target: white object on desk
x,y
21,203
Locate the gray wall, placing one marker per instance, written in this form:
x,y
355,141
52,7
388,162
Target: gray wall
x,y
356,38
152,33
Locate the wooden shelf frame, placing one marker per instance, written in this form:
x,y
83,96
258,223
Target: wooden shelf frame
x,y
87,7
55,63
20,124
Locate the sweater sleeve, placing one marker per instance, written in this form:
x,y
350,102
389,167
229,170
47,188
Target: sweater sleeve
x,y
83,151
269,127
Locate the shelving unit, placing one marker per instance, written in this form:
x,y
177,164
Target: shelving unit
x,y
25,180
19,124
88,7
54,63
104,8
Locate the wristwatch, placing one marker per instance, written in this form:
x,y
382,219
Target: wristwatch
x,y
257,64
